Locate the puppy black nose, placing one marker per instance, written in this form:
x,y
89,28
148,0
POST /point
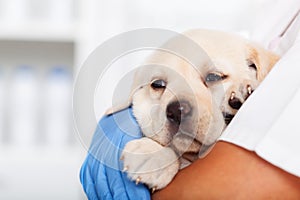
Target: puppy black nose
x,y
235,103
177,111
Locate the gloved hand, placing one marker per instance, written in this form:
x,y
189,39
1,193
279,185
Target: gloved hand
x,y
101,173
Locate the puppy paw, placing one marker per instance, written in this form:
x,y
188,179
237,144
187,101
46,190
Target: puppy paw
x,y
148,162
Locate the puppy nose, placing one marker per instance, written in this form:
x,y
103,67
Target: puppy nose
x,y
177,111
234,102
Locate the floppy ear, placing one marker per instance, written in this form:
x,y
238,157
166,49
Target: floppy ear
x,y
125,90
263,59
118,107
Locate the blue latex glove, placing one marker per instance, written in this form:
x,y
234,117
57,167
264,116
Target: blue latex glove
x,y
101,173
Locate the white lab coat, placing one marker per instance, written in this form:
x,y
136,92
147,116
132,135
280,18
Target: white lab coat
x,y
269,121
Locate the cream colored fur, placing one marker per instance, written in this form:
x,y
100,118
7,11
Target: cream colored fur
x,y
155,159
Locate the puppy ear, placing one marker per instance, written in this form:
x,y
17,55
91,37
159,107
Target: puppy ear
x,y
123,95
118,108
263,59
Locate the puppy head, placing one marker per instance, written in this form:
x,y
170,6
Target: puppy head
x,y
172,104
182,104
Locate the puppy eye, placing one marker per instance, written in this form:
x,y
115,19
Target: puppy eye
x,y
251,65
214,77
158,84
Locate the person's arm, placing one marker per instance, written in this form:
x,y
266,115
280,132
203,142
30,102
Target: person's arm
x,y
231,172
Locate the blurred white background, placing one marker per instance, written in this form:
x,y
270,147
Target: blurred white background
x,y
42,46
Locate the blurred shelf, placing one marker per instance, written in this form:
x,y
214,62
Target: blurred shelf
x,y
38,31
40,153
41,173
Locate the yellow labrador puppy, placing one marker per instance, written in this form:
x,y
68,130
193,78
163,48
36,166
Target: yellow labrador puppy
x,y
183,107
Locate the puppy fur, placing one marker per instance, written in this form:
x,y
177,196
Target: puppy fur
x,y
205,91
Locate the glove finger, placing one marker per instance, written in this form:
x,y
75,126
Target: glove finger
x,y
93,194
134,191
93,179
108,150
123,188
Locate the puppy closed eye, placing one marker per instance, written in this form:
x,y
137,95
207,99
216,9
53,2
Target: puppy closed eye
x,y
214,77
158,84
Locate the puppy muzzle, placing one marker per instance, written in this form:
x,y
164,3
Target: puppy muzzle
x,y
179,114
